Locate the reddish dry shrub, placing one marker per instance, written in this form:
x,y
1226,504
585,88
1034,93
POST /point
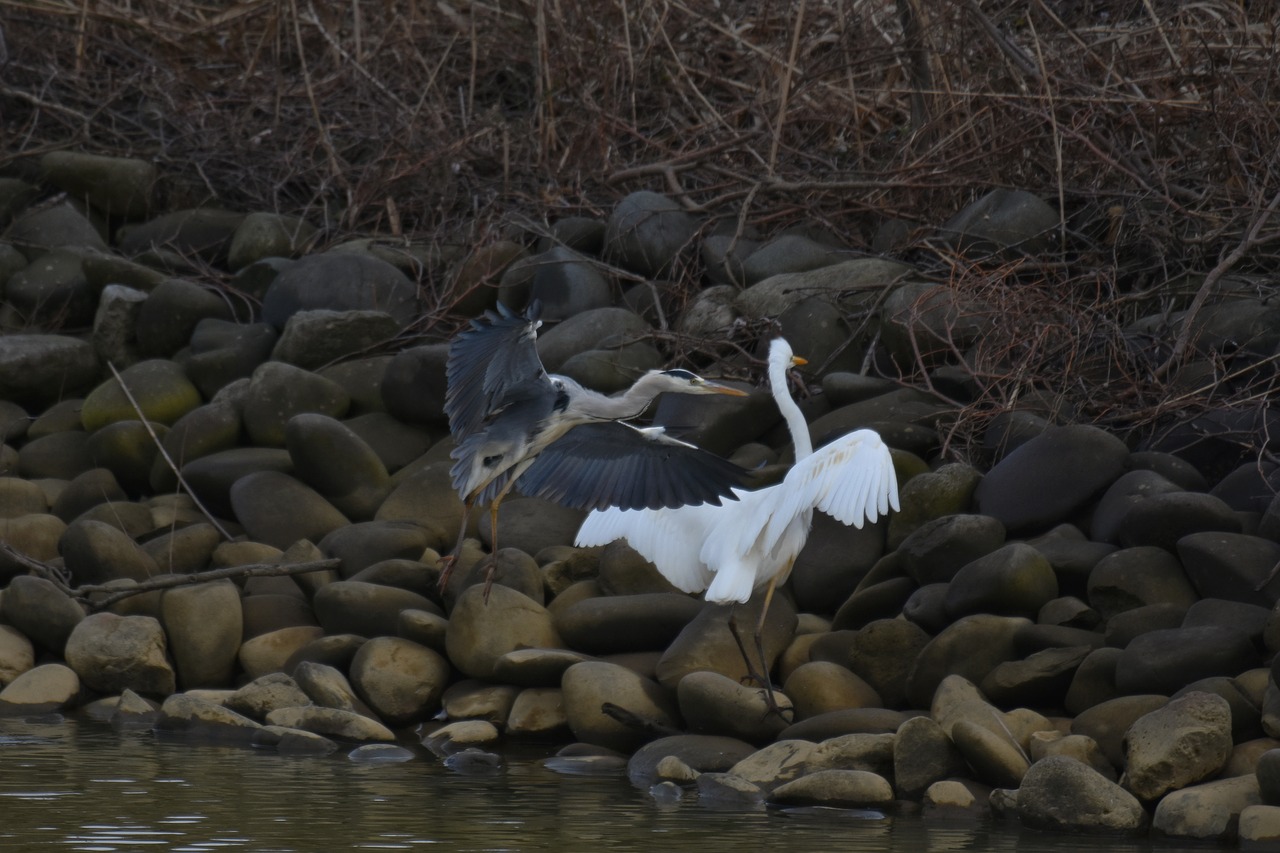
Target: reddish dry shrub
x,y
1151,125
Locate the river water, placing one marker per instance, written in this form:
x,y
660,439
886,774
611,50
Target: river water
x,y
77,785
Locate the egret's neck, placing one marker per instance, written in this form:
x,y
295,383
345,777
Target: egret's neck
x,y
790,411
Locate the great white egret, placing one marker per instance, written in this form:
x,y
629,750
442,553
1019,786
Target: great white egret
x,y
516,424
732,549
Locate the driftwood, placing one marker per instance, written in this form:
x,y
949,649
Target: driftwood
x,y
100,596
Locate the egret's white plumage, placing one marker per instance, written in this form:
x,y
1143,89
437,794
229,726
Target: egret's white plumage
x,y
732,549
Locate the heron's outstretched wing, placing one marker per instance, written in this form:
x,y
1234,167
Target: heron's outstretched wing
x,y
489,363
613,464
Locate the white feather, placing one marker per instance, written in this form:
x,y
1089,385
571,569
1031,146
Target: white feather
x,y
732,549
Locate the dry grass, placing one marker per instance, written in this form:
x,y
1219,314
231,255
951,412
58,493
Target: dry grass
x,y
1152,125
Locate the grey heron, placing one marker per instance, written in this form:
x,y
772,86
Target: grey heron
x,y
517,425
732,549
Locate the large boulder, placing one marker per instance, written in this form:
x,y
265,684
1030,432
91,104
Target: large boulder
x,y
1042,482
111,653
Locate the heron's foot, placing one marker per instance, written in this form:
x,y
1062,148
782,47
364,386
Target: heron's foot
x,y
490,564
447,564
772,708
754,678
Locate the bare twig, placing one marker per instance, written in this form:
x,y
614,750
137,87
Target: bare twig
x,y
165,454
1251,239
107,594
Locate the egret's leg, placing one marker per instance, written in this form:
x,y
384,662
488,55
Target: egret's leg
x,y
448,561
753,675
759,640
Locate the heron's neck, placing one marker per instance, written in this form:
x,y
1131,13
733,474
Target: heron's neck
x,y
790,411
629,404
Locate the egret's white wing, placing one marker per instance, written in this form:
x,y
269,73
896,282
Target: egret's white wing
x,y
851,479
668,538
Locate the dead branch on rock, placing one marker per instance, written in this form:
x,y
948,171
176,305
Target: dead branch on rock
x,y
110,594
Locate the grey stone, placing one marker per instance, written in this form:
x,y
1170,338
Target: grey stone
x,y
159,388
1234,566
839,788
971,647
1163,661
312,339
121,186
701,753
926,322
95,552
61,456
206,232
1013,491
1107,722
399,679
414,385
479,633
212,476
222,352
331,722
171,313
851,283
36,369
1186,741
110,653
1014,580
279,391
706,643
1004,219
1061,794
1210,811
204,624
340,281
334,461
711,703
194,719
1136,577
43,689
264,235
646,231
365,609
937,549
625,623
52,291
568,283
591,685
50,227
41,611
276,509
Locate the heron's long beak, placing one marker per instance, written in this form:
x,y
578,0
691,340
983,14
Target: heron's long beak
x,y
797,361
717,388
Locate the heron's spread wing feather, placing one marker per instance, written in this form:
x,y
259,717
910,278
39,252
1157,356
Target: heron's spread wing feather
x,y
489,362
594,466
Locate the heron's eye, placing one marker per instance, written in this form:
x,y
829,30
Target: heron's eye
x,y
691,378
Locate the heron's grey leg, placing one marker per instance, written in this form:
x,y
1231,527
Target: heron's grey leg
x,y
492,566
448,561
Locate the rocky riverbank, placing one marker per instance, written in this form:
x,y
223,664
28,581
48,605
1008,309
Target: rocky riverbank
x,y
222,518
